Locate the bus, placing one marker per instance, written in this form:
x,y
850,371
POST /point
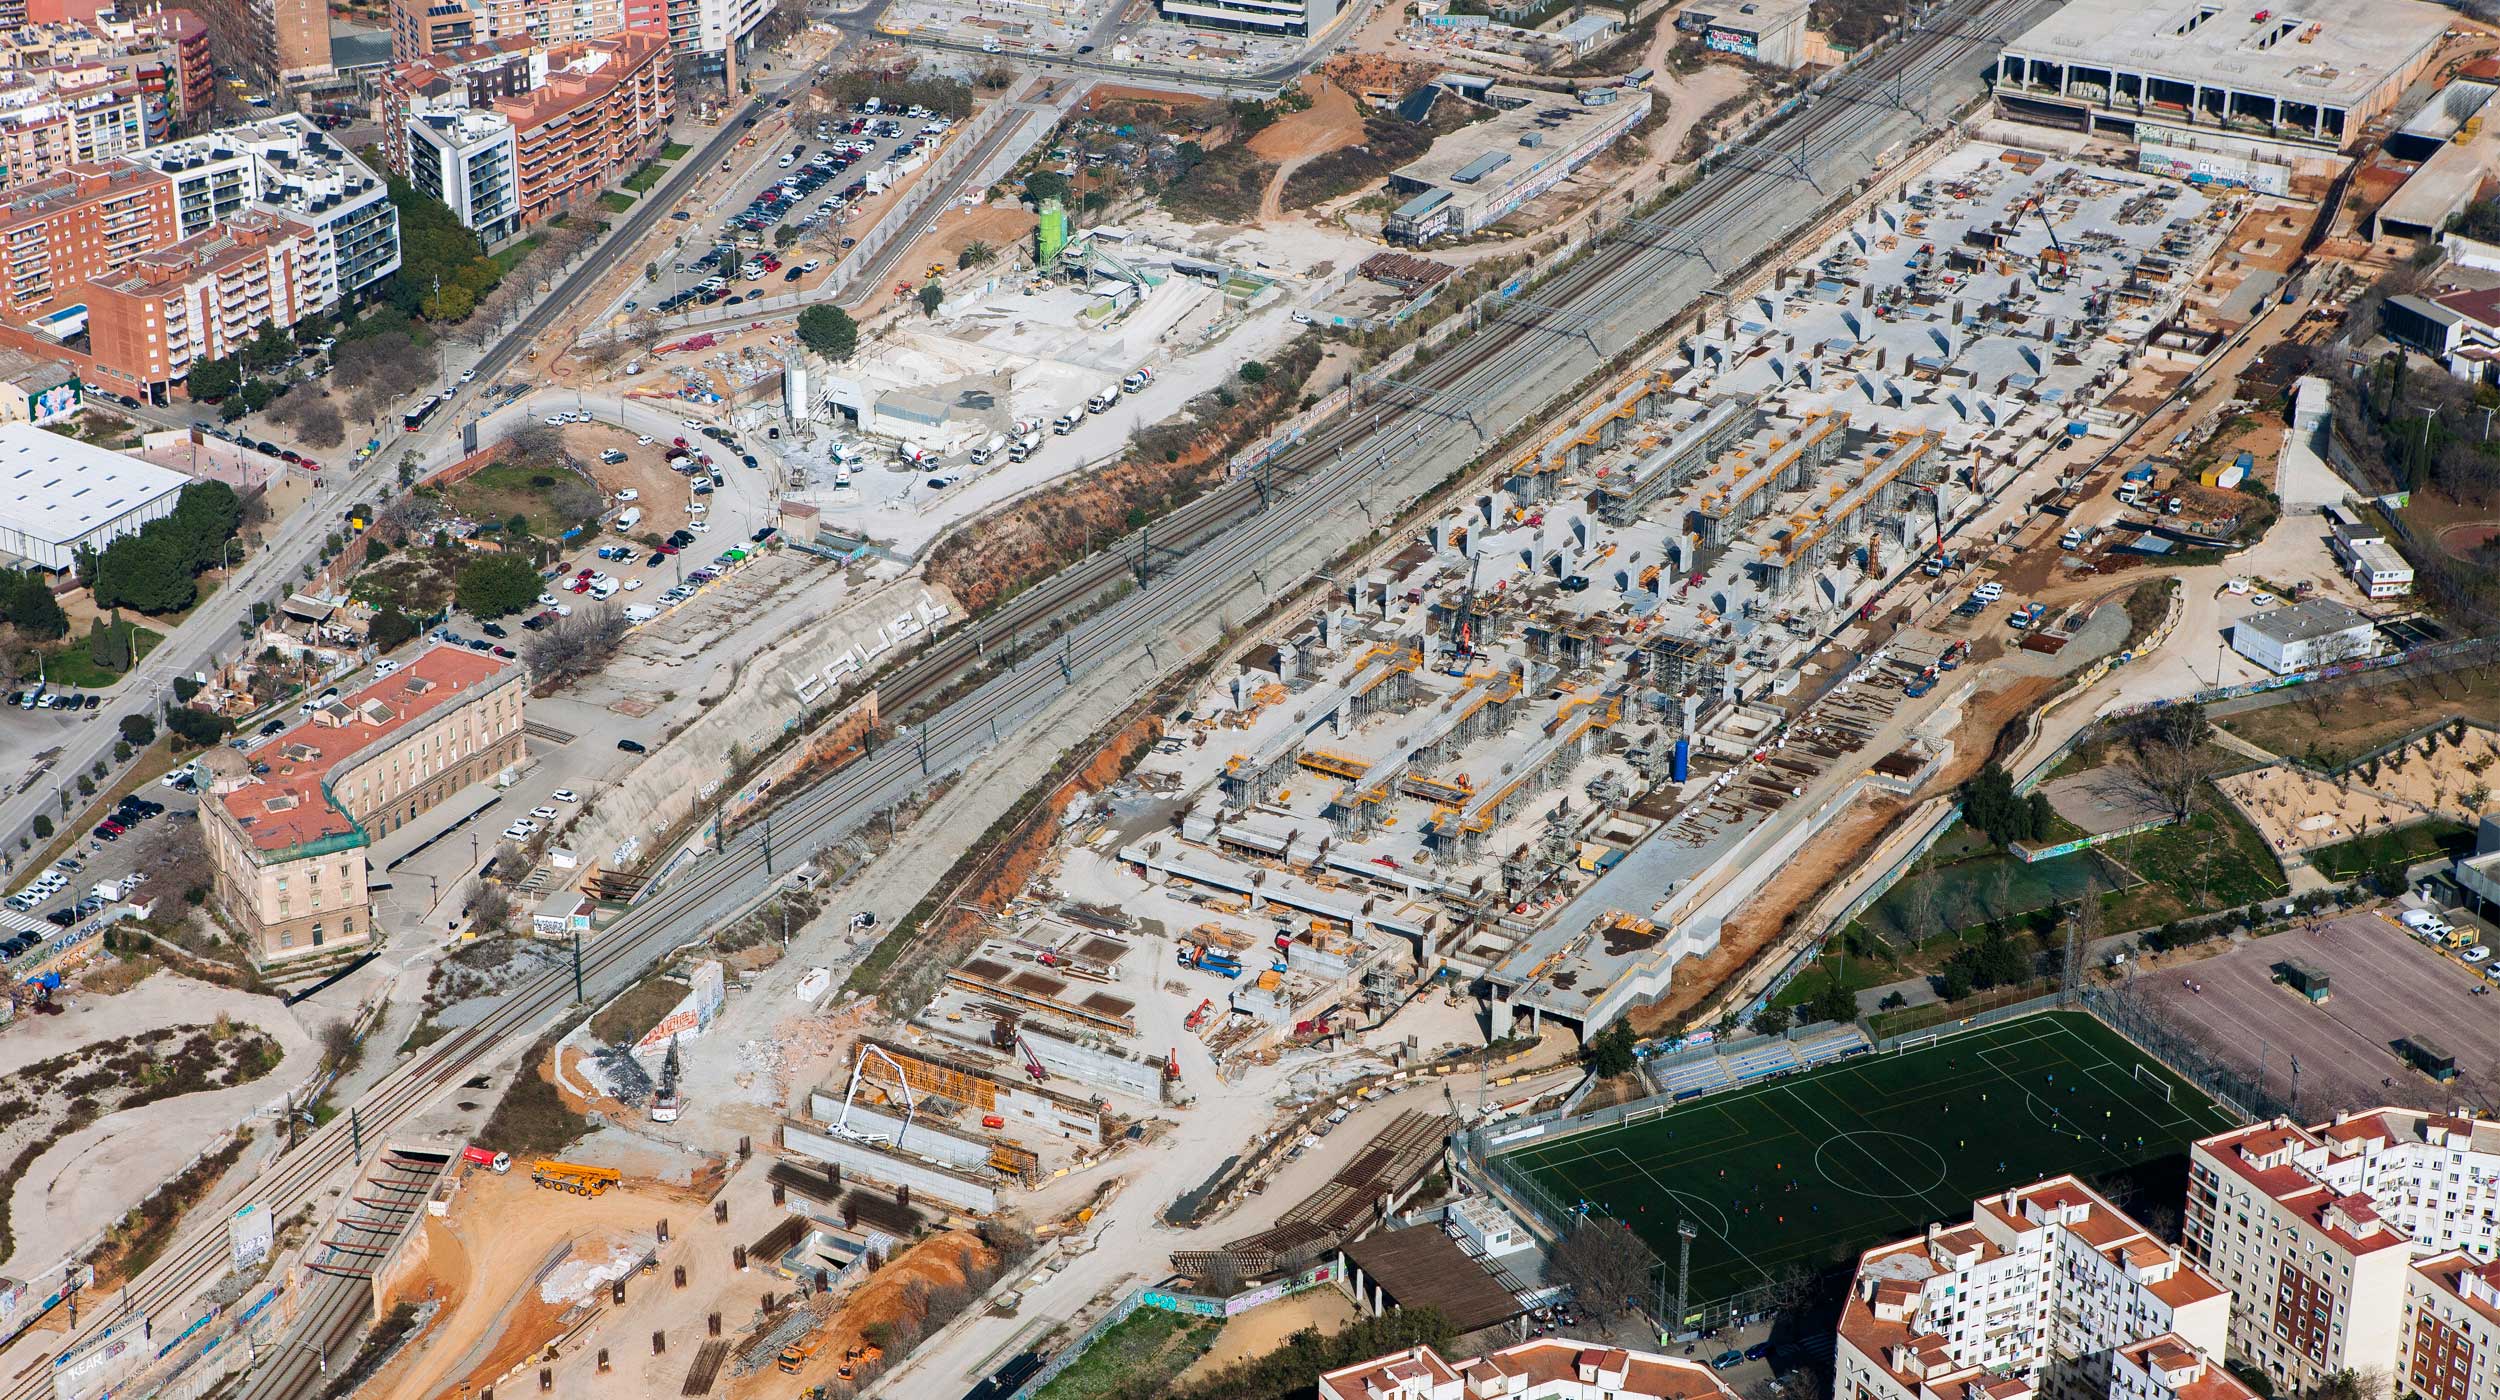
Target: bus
x,y
415,418
2422,1054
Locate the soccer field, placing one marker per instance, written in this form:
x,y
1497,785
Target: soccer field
x,y
1811,1169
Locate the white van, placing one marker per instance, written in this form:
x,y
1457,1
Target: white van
x,y
641,612
631,518
2424,922
604,589
989,448
1025,447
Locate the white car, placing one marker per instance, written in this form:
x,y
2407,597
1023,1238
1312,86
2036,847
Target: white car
x,y
700,527
629,494
564,609
385,667
696,508
693,425
646,440
521,830
467,375
546,600
2475,954
559,420
543,813
2261,600
632,583
565,795
1989,592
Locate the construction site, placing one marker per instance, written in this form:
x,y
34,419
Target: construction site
x,y
1547,747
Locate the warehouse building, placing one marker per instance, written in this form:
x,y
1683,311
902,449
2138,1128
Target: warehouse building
x,y
2319,632
1300,18
1767,31
59,495
2236,92
1474,176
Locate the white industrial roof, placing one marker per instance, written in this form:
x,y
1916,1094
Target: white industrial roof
x,y
2330,52
58,489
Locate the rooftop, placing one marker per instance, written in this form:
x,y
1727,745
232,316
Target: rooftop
x,y
2304,622
1422,1267
2334,53
1494,154
288,805
57,489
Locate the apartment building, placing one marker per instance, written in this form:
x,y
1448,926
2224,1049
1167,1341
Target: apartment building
x,y
200,299
83,223
274,41
2033,1295
1548,1368
181,39
286,166
55,117
574,117
420,29
287,821
2168,1367
711,29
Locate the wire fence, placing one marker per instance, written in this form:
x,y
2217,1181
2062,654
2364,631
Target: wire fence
x,y
2139,1020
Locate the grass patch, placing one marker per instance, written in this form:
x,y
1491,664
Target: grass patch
x,y
616,202
533,1118
638,1008
2213,861
503,490
75,664
2332,725
510,256
674,150
1140,1354
2401,846
1223,187
641,181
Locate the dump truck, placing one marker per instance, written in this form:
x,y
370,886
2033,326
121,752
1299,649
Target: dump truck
x,y
574,1177
795,1355
496,1162
1209,959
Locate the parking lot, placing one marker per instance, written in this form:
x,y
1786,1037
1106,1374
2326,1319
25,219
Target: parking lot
x,y
2383,985
884,147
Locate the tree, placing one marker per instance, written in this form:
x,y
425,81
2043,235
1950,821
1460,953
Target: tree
x,y
829,331
211,380
1253,371
1044,185
27,604
196,728
145,572
1834,1003
43,827
1772,1020
932,296
496,585
1605,1265
1609,1053
392,628
975,254
2169,757
575,646
139,730
268,348
784,236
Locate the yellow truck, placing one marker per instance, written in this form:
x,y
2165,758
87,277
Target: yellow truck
x,y
574,1177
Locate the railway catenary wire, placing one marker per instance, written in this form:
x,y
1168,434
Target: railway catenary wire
x,y
1317,482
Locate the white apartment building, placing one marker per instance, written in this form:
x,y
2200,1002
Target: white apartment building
x,y
2451,1340
2032,1295
286,166
1548,1368
2316,1229
712,28
469,161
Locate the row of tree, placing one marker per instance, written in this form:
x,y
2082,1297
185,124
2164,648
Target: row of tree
x,y
1991,805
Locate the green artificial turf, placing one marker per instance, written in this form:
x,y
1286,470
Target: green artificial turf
x,y
1809,1170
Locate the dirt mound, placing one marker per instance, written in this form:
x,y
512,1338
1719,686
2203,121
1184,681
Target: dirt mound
x,y
901,1301
1331,122
1377,78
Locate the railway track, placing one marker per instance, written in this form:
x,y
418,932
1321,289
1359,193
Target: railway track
x,y
1208,550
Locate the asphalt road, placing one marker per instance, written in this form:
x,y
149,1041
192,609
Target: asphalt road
x,y
269,575
1401,442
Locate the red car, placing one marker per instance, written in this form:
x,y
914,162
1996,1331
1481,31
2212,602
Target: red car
x,y
579,585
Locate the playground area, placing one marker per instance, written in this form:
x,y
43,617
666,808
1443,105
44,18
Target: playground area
x,y
1809,1170
2297,810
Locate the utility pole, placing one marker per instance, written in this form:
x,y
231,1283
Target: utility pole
x,y
578,996
355,1137
1684,1232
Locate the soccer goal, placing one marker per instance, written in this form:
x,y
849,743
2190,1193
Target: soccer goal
x,y
2147,1077
1915,1042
